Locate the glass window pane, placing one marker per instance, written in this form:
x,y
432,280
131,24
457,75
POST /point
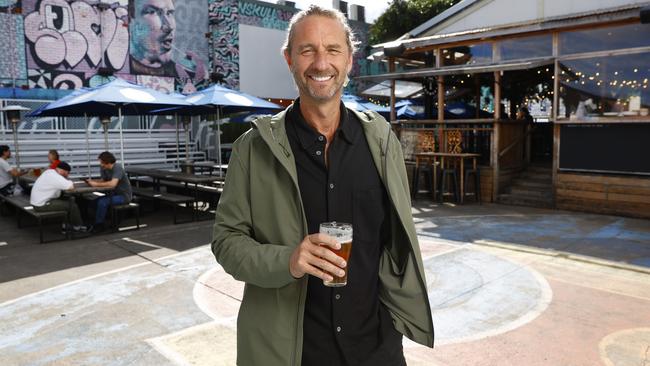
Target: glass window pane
x,y
603,39
468,55
528,47
605,87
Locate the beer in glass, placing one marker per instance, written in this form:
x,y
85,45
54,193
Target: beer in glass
x,y
342,232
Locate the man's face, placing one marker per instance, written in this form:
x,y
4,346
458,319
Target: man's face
x,y
152,34
6,154
63,173
320,59
105,165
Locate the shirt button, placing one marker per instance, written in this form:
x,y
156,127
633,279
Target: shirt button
x,y
331,185
320,138
318,152
337,296
338,329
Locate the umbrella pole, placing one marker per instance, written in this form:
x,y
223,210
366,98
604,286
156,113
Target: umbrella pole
x,y
87,143
105,128
187,140
178,153
119,119
218,138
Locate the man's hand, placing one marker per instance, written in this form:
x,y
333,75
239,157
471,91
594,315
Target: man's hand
x,y
91,182
313,257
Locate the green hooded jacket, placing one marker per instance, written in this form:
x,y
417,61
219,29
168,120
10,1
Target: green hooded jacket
x,y
260,220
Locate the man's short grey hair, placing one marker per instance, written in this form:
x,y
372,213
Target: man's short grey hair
x,y
316,10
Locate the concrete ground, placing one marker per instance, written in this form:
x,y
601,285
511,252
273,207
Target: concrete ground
x,y
507,285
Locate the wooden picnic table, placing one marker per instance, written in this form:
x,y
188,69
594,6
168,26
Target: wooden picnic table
x,y
432,158
187,179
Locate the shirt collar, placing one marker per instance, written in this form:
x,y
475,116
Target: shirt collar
x,y
348,129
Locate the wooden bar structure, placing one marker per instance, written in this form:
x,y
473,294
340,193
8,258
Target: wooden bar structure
x,y
612,185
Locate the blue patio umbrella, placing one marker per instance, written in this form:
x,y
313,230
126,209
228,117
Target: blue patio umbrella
x,y
219,99
359,104
118,97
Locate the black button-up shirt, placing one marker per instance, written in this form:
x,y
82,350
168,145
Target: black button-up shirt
x,y
344,325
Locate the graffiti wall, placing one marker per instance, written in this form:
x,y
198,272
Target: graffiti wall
x,y
67,42
224,40
12,58
171,45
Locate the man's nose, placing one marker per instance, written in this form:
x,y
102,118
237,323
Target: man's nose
x,y
321,60
166,21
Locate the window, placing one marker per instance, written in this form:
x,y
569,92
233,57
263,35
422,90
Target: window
x,y
604,39
467,55
526,47
600,88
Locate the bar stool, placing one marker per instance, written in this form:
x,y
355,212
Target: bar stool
x,y
477,183
449,172
425,143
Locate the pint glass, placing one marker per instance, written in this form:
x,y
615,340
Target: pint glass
x,y
343,234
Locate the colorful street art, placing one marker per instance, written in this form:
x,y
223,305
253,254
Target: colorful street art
x,y
263,16
166,44
12,58
168,39
67,42
224,30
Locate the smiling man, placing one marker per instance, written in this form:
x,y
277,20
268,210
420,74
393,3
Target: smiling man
x,y
318,162
153,28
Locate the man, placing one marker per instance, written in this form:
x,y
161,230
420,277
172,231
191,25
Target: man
x,y
114,177
46,193
315,162
7,172
153,28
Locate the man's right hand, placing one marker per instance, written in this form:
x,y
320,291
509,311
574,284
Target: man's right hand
x,y
313,257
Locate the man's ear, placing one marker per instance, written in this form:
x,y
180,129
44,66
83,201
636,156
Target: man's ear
x,y
287,58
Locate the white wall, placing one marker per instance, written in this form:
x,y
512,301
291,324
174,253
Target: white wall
x,y
490,13
262,69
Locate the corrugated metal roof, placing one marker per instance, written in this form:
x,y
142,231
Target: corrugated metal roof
x,y
599,16
455,70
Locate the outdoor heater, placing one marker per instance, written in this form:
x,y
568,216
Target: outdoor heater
x,y
187,121
106,122
12,114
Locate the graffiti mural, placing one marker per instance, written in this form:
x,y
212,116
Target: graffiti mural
x,y
360,61
10,6
224,40
46,79
75,35
12,58
260,15
168,39
160,83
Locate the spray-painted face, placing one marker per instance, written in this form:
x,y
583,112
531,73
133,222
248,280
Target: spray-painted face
x,y
152,32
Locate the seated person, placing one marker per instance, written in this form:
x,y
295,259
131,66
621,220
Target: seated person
x,y
53,158
7,172
112,176
46,194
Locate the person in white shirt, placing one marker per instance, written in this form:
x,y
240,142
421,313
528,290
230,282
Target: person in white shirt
x,y
46,194
7,172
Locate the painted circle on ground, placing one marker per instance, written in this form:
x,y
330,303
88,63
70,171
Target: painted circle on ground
x,y
626,347
474,295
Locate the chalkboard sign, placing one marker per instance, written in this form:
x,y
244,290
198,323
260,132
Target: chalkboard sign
x,y
615,148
